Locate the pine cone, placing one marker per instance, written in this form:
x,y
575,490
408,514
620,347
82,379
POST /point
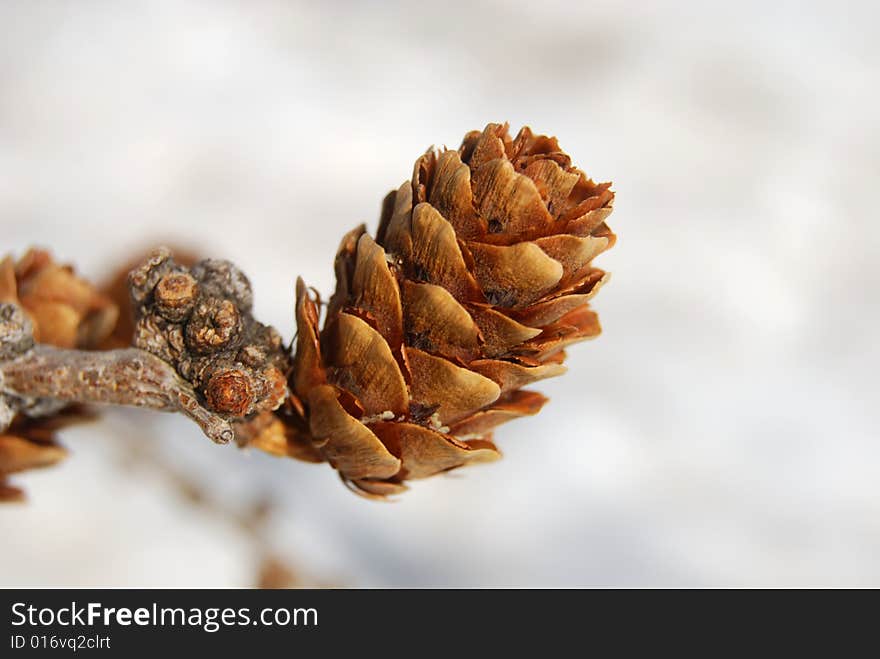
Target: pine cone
x,y
65,311
479,276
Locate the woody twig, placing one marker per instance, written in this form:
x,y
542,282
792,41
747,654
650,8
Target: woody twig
x,y
197,350
37,379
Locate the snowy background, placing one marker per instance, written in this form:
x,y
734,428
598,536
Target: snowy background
x,y
724,430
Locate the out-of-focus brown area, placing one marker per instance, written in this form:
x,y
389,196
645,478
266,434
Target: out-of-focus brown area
x,y
66,310
251,519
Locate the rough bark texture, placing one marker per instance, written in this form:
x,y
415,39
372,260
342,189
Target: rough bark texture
x,y
118,377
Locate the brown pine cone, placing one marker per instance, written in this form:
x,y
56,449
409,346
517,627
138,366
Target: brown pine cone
x,y
66,311
479,276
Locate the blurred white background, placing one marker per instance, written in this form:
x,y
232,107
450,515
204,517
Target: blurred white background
x,y
722,431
